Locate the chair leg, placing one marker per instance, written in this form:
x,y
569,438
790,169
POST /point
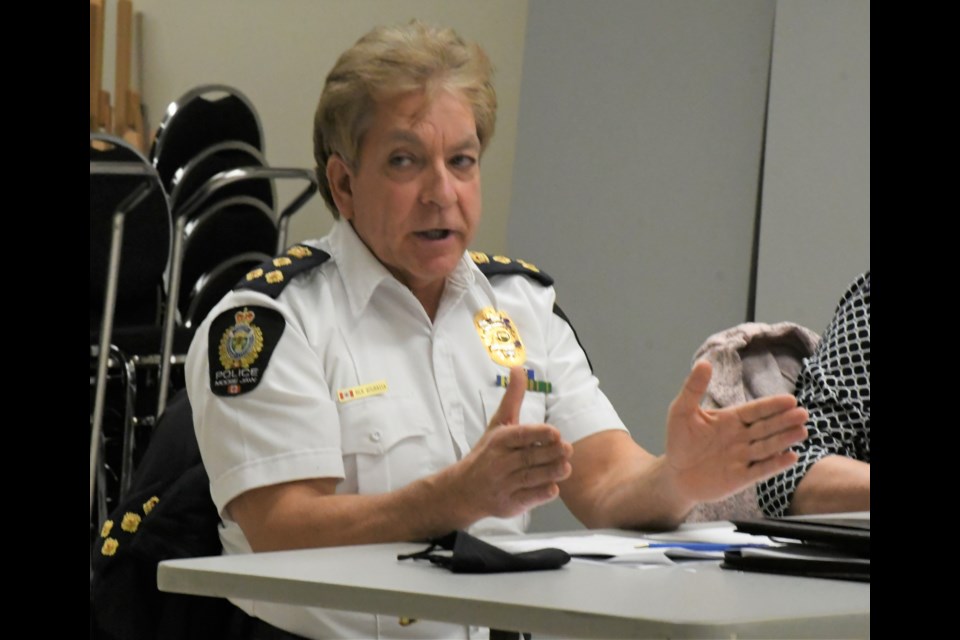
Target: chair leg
x,y
103,355
129,423
116,361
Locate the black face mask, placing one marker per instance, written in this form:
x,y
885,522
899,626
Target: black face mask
x,y
472,555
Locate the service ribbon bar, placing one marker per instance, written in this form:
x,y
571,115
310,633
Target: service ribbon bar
x,y
540,386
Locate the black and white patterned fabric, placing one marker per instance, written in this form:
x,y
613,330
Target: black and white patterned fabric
x,y
834,386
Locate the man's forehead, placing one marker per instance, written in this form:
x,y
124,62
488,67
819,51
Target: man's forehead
x,y
466,141
403,118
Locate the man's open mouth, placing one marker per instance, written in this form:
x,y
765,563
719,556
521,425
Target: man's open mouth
x,y
434,234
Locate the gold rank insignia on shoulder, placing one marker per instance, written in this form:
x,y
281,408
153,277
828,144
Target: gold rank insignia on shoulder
x,y
299,251
129,525
481,258
500,337
528,265
272,276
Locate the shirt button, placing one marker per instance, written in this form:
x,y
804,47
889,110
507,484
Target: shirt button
x,y
375,436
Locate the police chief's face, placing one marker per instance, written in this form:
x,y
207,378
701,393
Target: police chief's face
x,y
414,198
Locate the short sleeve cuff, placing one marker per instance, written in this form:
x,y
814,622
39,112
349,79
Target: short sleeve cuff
x,y
302,465
588,420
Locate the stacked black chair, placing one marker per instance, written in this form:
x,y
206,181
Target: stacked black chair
x,y
169,236
212,285
202,117
215,159
230,227
208,152
130,244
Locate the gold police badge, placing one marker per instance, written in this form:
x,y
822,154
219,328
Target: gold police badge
x,y
500,336
241,343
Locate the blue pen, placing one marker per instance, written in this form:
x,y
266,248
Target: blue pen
x,y
695,546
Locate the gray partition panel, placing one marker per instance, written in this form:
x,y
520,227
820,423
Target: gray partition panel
x,y
815,229
636,182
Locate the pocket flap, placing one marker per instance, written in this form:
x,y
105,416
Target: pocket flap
x,y
374,425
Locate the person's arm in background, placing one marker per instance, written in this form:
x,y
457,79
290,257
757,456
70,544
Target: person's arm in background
x,y
833,470
833,484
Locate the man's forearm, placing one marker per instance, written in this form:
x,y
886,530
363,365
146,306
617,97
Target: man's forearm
x,y
510,470
308,514
617,484
648,500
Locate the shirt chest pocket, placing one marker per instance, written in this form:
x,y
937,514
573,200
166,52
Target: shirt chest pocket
x,y
384,444
533,410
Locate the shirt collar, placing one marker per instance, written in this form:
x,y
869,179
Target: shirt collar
x,y
362,273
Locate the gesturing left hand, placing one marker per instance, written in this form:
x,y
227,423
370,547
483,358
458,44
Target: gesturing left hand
x,y
714,453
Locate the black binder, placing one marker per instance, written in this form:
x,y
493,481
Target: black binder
x,y
835,548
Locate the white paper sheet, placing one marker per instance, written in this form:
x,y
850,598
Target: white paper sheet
x,y
636,550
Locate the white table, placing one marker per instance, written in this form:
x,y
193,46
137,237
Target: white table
x,y
583,599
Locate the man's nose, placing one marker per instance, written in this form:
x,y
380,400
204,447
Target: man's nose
x,y
438,188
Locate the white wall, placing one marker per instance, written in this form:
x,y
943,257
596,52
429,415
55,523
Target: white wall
x,y
278,54
815,229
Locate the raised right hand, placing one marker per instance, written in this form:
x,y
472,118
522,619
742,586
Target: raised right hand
x,y
513,467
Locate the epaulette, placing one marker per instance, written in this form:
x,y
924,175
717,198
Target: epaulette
x,y
117,531
272,276
503,266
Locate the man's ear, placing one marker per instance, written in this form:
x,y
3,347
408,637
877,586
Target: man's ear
x,y
340,179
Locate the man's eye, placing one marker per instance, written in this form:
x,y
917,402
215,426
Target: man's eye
x,y
463,161
401,161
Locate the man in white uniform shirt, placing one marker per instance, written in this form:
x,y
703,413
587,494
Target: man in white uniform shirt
x,y
356,389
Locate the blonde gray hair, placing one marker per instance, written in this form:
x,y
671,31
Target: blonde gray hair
x,y
390,61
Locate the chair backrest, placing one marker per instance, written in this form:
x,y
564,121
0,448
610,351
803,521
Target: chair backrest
x,y
130,245
216,283
231,227
750,360
204,116
230,182
214,160
146,240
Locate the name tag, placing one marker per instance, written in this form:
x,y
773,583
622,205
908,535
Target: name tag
x,y
363,391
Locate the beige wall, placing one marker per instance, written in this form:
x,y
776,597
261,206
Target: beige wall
x,y
278,54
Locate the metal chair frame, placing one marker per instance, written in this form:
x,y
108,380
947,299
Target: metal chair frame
x,y
193,208
105,347
160,149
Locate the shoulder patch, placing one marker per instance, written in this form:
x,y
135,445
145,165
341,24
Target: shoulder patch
x,y
503,266
271,277
240,344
